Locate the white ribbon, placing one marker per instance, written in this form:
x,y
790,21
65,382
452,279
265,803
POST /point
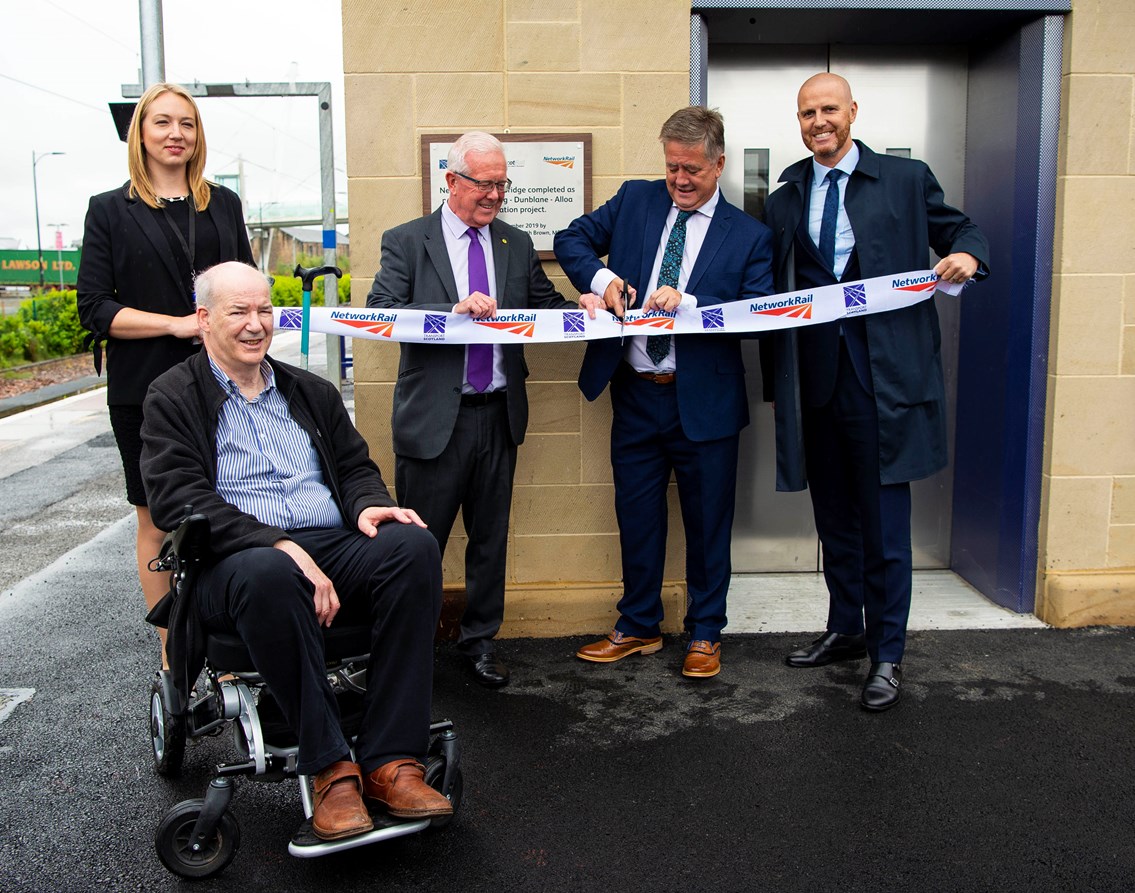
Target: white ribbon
x,y
790,310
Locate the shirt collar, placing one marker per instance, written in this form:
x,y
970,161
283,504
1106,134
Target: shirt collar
x,y
456,226
708,208
846,164
230,386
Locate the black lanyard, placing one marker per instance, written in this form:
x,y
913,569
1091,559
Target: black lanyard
x,y
189,248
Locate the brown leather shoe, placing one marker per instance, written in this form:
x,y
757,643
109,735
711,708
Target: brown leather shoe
x,y
703,659
616,646
339,810
400,786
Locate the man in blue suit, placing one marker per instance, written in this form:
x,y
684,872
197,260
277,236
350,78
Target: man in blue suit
x,y
861,404
678,403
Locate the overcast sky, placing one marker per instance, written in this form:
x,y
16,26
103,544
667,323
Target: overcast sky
x,y
64,60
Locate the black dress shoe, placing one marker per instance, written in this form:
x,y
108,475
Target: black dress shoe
x,y
827,649
489,671
881,691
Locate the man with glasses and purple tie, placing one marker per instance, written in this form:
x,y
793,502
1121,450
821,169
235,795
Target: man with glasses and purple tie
x,y
460,412
861,404
678,403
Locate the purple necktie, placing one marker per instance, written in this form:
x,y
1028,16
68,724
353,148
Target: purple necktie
x,y
479,356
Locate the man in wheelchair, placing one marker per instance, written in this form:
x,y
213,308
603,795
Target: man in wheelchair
x,y
302,530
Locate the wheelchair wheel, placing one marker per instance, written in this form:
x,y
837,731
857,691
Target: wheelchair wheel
x,y
173,836
167,732
435,775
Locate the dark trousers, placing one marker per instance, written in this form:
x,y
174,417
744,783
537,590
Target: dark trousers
x,y
474,473
647,445
864,526
392,581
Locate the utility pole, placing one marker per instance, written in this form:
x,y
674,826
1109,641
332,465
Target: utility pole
x,y
153,42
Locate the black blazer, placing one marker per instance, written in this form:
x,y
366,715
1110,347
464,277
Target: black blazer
x,y
127,261
416,275
897,211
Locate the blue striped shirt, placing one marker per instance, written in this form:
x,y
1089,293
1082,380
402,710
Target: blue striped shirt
x,y
266,463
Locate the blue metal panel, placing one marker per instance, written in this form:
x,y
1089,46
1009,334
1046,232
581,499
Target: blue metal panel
x,y
1012,125
1040,6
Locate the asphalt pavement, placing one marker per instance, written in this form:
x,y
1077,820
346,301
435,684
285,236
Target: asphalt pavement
x,y
1009,765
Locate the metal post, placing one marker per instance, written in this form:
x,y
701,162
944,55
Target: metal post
x,y
330,239
153,42
36,159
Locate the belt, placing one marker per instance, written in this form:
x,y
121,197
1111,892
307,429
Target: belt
x,y
656,377
482,399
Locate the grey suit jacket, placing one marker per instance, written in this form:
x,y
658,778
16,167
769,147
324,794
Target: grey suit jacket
x,y
416,274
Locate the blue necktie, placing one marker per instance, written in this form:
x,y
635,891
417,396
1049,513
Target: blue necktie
x,y
480,356
830,218
658,346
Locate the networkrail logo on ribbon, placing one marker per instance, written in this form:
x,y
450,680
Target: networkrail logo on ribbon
x,y
523,324
793,306
922,284
381,324
659,319
291,318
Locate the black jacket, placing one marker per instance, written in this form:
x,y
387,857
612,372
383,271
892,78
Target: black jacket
x,y
179,468
128,262
179,452
897,211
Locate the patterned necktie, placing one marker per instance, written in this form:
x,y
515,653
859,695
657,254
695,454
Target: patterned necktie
x,y
829,220
480,356
658,346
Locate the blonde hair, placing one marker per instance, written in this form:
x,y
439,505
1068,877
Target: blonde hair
x,y
140,184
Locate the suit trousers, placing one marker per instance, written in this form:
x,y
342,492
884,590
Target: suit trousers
x,y
864,526
474,473
647,445
392,582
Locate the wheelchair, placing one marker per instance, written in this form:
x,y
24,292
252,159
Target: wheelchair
x,y
198,838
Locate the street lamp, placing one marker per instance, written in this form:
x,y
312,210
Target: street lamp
x,y
36,159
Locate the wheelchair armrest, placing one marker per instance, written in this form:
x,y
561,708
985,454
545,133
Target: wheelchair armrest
x,y
190,540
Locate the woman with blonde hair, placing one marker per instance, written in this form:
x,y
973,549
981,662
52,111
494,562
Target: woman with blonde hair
x,y
143,243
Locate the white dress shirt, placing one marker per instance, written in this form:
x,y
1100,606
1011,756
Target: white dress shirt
x,y
844,237
697,225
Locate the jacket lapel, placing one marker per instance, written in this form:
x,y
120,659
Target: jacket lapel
x,y
140,212
439,256
225,233
501,251
652,235
719,225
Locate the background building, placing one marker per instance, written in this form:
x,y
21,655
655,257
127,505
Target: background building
x,y
1025,110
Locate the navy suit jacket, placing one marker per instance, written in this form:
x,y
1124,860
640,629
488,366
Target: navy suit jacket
x,y
734,264
416,274
897,211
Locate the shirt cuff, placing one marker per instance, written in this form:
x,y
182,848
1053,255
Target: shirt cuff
x,y
689,302
602,278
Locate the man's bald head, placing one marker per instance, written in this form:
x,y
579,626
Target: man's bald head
x,y
825,111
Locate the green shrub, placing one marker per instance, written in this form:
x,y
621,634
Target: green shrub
x,y
45,327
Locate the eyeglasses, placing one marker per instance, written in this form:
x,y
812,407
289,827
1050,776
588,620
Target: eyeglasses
x,y
486,186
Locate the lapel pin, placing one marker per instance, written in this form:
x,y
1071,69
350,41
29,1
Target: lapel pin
x,y
504,241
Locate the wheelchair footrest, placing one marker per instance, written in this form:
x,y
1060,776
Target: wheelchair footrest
x,y
306,845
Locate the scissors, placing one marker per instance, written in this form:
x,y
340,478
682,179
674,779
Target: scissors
x,y
627,301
